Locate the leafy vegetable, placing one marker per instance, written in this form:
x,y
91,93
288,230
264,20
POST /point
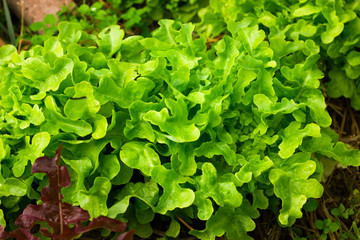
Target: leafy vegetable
x,y
64,219
179,123
331,26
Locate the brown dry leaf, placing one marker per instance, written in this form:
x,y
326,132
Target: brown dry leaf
x,y
2,42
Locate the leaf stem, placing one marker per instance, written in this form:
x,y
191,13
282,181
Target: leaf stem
x,y
22,25
185,223
58,155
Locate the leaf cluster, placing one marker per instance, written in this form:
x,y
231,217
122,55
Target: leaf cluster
x,y
171,125
335,224
331,25
66,221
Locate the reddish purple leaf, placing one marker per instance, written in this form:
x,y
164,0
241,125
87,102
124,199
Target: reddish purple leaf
x,y
18,234
126,235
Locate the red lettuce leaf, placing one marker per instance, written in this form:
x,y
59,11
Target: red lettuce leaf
x,y
126,235
18,234
65,220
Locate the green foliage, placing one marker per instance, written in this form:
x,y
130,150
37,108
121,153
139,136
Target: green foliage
x,y
139,16
330,26
335,225
326,226
176,125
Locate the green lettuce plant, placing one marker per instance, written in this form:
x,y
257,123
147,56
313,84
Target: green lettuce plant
x,y
331,25
166,125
